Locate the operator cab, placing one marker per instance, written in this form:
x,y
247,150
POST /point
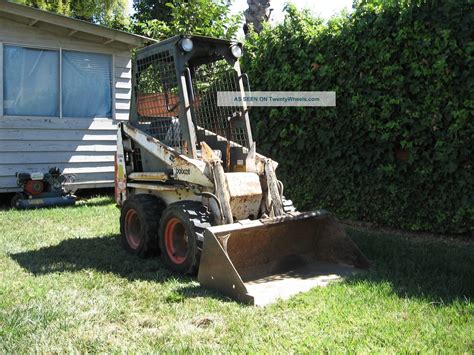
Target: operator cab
x,y
176,83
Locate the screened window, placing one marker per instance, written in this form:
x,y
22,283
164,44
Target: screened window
x,y
87,84
31,81
34,85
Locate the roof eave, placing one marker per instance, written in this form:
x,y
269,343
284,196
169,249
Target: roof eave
x,y
75,24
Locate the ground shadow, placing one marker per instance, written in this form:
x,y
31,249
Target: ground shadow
x,y
105,254
436,271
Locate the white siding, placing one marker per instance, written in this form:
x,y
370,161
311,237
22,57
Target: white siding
x,y
81,146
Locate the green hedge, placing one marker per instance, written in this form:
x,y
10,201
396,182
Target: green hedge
x,y
398,149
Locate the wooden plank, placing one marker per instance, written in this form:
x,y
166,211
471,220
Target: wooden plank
x,y
123,94
14,32
21,122
8,181
52,135
122,104
55,146
72,24
123,83
69,168
122,115
92,177
53,157
123,73
1,79
123,62
92,184
9,184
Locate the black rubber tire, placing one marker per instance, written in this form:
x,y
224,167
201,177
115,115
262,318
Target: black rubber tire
x,y
194,218
148,209
16,198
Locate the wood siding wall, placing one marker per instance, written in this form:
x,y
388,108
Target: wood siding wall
x,y
81,146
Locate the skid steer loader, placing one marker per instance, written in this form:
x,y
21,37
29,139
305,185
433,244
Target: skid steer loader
x,y
192,187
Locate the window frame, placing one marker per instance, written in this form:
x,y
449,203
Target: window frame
x,y
60,52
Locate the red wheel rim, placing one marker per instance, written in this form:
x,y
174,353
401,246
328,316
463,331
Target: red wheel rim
x,y
176,241
132,229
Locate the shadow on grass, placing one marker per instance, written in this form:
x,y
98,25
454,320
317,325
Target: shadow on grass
x,y
435,270
104,254
104,201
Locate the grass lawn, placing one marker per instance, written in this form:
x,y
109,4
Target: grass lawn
x,y
66,285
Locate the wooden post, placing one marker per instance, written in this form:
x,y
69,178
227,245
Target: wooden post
x,y
1,79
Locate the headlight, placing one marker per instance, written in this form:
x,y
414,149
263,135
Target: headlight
x,y
186,44
236,51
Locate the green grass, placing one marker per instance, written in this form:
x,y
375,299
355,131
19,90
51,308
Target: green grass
x,y
66,285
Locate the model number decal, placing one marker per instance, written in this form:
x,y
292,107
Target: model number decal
x,y
181,171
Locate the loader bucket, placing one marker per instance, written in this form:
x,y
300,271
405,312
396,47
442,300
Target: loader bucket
x,y
260,261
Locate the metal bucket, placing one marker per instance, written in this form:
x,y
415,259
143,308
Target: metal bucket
x,y
261,261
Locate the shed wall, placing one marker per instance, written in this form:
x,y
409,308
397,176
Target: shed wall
x,y
81,146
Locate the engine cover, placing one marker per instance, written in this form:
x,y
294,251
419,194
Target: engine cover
x,y
34,187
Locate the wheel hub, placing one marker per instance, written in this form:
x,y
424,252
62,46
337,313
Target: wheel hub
x,y
132,229
176,241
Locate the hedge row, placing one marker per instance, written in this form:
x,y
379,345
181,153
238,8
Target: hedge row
x,y
398,148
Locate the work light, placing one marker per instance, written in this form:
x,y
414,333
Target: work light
x,y
186,44
236,51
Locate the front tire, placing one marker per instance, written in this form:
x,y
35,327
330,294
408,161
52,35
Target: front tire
x,y
181,235
139,221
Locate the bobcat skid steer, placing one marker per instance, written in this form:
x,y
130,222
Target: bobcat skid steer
x,y
192,187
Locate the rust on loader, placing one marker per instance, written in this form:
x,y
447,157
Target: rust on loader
x,y
192,187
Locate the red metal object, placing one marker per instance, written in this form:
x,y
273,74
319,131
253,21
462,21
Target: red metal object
x,y
34,187
176,241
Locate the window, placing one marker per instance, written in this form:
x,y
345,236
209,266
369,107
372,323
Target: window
x,y
87,87
31,81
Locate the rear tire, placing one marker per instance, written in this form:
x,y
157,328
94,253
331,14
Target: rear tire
x,y
139,222
181,235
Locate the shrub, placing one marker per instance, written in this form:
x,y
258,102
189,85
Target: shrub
x,y
398,148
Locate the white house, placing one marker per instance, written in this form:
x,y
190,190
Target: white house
x,y
64,84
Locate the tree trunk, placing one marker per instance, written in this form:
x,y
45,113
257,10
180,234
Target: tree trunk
x,y
259,11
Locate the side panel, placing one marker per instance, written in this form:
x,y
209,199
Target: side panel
x,y
83,147
183,169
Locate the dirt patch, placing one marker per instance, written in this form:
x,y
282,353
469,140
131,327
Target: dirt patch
x,y
203,322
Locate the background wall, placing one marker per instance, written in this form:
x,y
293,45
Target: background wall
x,y
81,146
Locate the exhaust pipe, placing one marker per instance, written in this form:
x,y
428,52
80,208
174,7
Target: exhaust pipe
x,y
260,261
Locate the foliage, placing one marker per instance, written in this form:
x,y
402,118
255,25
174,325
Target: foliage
x,y
199,17
109,13
398,149
146,10
66,285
